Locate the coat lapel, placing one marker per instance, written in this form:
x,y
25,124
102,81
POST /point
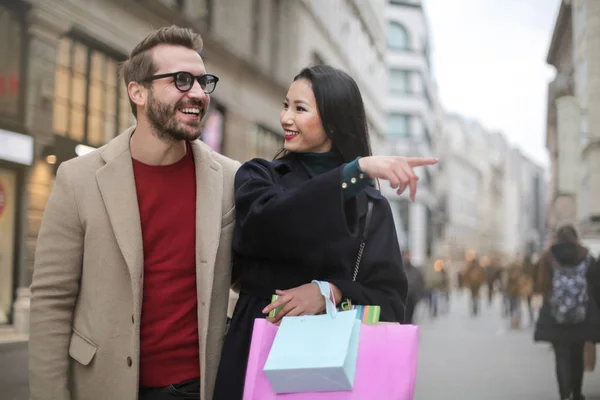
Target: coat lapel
x,y
209,194
117,186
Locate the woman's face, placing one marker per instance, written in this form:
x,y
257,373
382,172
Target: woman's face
x,y
300,121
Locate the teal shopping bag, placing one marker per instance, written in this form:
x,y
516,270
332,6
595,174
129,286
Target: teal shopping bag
x,y
315,353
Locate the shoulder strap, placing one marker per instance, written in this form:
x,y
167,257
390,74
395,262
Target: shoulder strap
x,y
363,241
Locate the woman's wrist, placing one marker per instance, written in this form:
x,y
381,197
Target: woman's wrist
x,y
337,293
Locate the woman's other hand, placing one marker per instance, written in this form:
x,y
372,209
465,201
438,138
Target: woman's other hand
x,y
302,300
395,169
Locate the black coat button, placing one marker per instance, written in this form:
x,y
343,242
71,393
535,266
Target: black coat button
x,y
129,361
132,320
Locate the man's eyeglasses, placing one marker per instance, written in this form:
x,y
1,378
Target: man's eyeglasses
x,y
184,81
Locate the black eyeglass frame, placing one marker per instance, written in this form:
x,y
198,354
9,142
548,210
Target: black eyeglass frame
x,y
174,75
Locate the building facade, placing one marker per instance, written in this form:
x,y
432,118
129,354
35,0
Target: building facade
x,y
412,122
458,188
61,95
348,34
573,125
525,193
492,197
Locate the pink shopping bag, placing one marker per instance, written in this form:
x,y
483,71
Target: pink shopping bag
x,y
386,367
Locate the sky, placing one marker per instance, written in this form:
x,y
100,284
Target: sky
x,y
489,62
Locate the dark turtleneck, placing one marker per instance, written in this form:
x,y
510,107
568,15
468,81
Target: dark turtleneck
x,y
353,179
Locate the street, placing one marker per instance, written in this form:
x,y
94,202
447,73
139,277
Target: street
x,y
13,371
480,359
460,358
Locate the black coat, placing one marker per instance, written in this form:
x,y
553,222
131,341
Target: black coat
x,y
291,229
547,329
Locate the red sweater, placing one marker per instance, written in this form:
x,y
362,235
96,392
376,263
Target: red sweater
x,y
169,349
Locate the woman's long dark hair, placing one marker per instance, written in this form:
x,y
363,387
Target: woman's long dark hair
x,y
341,110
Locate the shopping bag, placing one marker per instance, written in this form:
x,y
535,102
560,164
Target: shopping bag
x,y
366,314
589,356
315,353
386,366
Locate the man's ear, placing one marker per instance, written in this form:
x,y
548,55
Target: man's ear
x,y
137,93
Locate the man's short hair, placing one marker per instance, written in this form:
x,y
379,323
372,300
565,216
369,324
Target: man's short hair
x,y
140,64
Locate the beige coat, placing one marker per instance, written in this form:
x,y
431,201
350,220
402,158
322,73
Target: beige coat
x,y
87,281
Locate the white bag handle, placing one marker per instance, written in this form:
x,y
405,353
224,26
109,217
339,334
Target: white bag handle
x,y
327,292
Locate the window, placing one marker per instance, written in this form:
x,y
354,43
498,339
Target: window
x,y
397,37
264,143
11,61
584,199
91,104
399,125
400,81
585,134
580,20
582,75
276,16
256,27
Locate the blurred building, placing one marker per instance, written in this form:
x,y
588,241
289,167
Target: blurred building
x,y
411,122
349,34
61,95
525,206
573,126
492,196
458,188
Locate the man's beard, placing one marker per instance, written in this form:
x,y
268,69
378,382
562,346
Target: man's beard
x,y
164,123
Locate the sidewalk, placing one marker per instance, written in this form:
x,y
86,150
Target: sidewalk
x,y
467,358
14,382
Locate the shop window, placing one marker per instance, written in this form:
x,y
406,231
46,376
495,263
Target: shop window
x,y
11,62
8,203
213,128
91,105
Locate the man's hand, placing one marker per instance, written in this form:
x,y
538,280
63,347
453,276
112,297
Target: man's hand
x,y
395,169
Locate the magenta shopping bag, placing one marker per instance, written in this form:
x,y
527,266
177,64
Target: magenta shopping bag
x,y
386,366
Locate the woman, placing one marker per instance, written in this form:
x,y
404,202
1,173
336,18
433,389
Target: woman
x,y
567,333
300,218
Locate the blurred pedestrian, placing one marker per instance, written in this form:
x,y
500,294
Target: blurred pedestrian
x,y
512,290
526,285
416,286
475,278
493,275
569,281
301,218
133,260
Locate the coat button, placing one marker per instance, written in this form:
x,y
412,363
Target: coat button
x,y
129,361
132,320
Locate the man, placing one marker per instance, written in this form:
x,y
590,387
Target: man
x,y
416,286
133,258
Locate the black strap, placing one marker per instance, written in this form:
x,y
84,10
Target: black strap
x,y
368,220
363,241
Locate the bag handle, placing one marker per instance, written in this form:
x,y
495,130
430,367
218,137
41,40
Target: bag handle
x,y
327,292
365,234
